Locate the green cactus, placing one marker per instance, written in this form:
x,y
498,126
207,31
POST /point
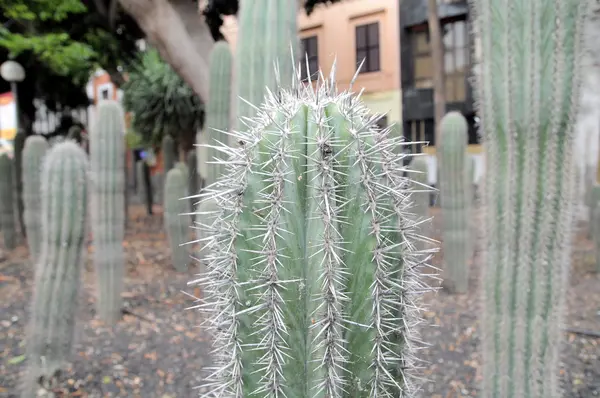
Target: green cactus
x,y
527,91
218,111
57,139
33,155
8,218
107,176
75,133
267,36
185,170
19,144
169,152
421,194
57,275
456,203
312,273
177,221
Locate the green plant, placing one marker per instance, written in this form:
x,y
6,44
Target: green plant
x,y
312,276
218,111
177,220
527,89
33,156
107,176
169,152
7,204
267,38
133,140
57,274
162,103
455,190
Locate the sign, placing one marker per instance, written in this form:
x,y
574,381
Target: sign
x,y
8,116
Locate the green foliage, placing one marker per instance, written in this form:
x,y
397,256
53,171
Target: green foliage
x,y
163,104
133,139
527,92
313,279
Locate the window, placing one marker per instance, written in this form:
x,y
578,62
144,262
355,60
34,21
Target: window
x,y
423,65
367,47
456,60
310,56
420,130
105,94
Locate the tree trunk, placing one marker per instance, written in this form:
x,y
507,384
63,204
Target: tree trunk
x,y
437,54
180,35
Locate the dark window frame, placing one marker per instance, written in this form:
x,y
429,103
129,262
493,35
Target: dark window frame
x,y
310,55
371,44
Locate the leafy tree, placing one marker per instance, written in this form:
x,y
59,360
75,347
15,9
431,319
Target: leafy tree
x,y
162,103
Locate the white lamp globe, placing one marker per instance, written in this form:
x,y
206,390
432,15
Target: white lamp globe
x,y
12,71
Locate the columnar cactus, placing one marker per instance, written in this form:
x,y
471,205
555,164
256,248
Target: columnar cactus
x,y
57,275
527,88
8,218
218,110
455,190
19,145
169,153
33,155
267,36
107,189
421,193
177,220
312,273
594,198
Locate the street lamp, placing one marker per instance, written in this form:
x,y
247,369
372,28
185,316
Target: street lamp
x,y
13,72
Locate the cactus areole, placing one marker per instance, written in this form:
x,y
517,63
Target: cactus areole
x,y
313,277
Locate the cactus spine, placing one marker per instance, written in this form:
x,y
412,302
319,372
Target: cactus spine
x,y
107,158
527,88
169,152
455,190
267,36
218,111
421,194
33,155
57,275
7,204
311,258
177,222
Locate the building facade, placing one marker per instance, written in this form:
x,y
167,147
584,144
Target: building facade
x,y
348,33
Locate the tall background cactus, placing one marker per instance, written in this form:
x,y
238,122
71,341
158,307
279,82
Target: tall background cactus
x,y
33,155
177,222
267,35
218,112
169,153
8,218
456,192
107,146
311,259
527,88
57,275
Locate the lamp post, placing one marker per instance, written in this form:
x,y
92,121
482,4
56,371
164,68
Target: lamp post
x,y
13,72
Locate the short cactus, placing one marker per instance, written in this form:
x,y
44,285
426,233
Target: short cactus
x,y
8,218
169,153
177,221
455,190
527,93
107,147
57,275
218,110
312,272
57,139
33,156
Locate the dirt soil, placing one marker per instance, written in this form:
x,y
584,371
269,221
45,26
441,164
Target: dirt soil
x,y
158,350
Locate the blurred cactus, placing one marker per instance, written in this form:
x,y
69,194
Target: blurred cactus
x,y
527,92
75,133
456,202
267,36
177,222
19,145
311,256
57,276
169,153
107,147
57,139
8,218
421,194
33,156
185,170
218,111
